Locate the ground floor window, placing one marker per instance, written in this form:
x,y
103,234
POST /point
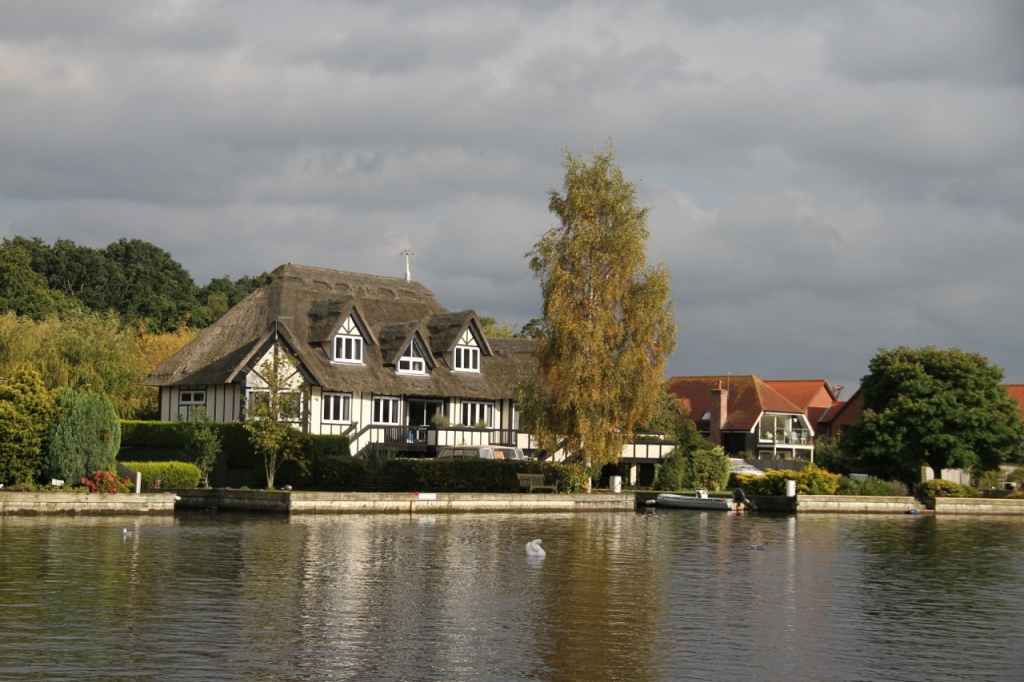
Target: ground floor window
x,y
476,413
337,407
385,410
189,401
289,403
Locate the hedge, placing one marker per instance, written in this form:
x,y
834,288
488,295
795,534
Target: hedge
x,y
444,476
236,447
171,474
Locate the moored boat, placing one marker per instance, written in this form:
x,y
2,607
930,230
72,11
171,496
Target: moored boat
x,y
701,500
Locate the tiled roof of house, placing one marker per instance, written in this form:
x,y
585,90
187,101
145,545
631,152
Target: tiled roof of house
x,y
306,305
804,393
1016,392
748,398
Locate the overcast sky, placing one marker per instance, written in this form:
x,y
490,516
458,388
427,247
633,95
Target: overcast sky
x,y
825,179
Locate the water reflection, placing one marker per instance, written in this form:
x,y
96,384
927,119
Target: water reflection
x,y
654,596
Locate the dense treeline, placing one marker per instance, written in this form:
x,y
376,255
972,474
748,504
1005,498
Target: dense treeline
x,y
139,281
82,318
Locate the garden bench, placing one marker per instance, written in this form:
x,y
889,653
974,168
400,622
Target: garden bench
x,y
532,482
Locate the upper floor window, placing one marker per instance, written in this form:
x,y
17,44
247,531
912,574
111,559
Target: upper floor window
x,y
412,361
467,359
348,344
348,348
337,407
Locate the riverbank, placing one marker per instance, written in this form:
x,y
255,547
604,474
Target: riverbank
x,y
297,502
347,503
85,503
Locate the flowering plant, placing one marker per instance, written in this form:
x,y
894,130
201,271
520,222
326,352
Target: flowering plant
x,y
106,482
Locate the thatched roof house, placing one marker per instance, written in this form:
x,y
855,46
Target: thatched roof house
x,y
357,338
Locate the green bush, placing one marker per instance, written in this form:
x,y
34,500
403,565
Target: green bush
x,y
84,438
939,488
669,474
570,478
991,480
872,486
172,475
809,481
706,468
1016,495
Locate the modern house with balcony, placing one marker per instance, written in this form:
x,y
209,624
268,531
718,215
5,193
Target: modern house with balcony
x,y
744,414
381,361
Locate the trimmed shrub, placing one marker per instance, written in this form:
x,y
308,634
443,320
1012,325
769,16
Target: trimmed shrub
x,y
669,474
26,411
809,481
171,474
570,478
340,473
939,488
84,438
149,434
706,468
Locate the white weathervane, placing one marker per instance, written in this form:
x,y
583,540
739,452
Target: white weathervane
x,y
408,252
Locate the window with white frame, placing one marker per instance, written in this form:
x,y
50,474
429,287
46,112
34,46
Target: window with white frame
x,y
348,344
385,410
467,359
290,404
515,416
189,401
477,413
192,398
337,407
412,361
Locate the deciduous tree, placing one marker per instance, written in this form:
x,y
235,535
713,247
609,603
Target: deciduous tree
x,y
271,410
608,324
932,407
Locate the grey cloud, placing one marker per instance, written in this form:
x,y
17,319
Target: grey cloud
x,y
965,42
825,179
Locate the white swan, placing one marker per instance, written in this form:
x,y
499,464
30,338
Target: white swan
x,y
533,548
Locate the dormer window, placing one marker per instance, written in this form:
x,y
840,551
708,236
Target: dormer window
x,y
348,344
466,357
348,348
412,361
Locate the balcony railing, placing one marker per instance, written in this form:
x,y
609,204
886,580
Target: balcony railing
x,y
787,436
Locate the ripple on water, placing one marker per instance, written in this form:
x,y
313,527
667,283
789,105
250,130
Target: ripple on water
x,y
653,596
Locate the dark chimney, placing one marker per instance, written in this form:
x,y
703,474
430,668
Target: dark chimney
x,y
719,412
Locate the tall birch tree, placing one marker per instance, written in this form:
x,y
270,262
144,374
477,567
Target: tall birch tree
x,y
608,324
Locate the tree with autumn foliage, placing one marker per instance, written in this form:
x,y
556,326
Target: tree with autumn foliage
x,y
608,324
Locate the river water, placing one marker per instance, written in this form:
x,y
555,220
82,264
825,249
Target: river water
x,y
673,595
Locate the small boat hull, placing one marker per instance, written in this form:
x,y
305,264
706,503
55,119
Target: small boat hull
x,y
687,502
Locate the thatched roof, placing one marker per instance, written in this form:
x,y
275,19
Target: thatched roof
x,y
309,305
